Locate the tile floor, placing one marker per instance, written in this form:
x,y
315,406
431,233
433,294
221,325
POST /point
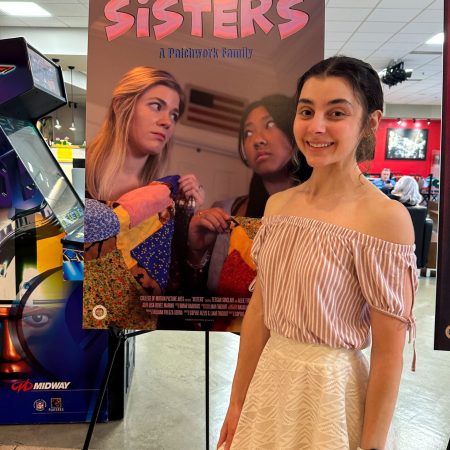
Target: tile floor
x,y
166,409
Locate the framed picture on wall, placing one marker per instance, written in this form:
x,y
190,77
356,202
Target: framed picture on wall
x,y
406,143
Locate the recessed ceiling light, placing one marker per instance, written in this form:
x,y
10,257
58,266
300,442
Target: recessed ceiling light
x,y
437,39
24,9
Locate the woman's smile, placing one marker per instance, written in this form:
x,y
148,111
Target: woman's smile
x,y
319,144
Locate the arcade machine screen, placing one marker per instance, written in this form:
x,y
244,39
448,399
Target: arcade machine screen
x,y
45,75
45,173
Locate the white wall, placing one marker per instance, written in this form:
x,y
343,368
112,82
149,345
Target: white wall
x,y
64,116
411,111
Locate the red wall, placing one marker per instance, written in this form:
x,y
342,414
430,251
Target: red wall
x,y
405,167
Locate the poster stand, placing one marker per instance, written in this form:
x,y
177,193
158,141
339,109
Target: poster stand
x,y
207,388
119,338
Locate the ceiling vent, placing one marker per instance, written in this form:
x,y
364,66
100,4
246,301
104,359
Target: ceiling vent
x,y
213,111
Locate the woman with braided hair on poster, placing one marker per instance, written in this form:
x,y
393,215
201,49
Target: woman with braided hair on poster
x,y
265,145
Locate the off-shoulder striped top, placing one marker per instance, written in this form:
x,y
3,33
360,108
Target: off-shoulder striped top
x,y
320,279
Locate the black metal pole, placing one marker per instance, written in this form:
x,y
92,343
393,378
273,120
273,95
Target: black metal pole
x,y
120,337
207,387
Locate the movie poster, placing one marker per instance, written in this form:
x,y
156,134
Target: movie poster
x,y
168,243
442,326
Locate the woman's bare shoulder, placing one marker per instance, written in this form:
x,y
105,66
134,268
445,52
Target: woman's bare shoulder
x,y
387,219
276,202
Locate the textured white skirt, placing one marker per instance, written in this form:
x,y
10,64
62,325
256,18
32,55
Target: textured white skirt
x,y
304,397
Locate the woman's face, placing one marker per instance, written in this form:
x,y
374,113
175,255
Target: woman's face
x,y
266,147
155,115
328,123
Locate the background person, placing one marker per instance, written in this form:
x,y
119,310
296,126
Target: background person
x,y
328,276
407,191
385,182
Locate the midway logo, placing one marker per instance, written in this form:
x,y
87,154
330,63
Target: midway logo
x,y
27,385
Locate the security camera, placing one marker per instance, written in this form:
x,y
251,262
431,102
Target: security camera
x,y
395,73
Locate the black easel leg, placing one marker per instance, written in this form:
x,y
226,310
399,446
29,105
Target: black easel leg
x,y
120,337
207,387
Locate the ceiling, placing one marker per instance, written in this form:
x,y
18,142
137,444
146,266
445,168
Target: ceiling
x,y
377,31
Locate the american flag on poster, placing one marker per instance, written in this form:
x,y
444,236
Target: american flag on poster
x,y
214,111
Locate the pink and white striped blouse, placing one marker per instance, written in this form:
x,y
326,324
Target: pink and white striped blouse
x,y
319,280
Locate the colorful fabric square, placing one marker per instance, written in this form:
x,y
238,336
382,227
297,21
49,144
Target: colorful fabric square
x,y
235,277
239,269
128,239
100,222
241,239
146,201
249,224
112,296
155,252
172,182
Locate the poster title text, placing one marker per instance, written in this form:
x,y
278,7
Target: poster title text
x,y
231,18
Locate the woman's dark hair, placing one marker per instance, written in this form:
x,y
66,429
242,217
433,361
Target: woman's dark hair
x,y
282,109
257,197
364,81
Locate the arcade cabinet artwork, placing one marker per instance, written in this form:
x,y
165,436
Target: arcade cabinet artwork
x,y
50,369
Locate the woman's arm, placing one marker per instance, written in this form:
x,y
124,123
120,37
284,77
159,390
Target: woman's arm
x,y
388,340
254,336
386,364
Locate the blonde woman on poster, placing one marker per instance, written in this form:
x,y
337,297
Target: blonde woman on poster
x,y
130,212
329,277
133,143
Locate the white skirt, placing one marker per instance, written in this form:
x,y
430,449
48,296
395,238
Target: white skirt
x,y
304,397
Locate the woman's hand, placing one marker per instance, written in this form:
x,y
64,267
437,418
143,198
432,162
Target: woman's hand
x,y
191,187
229,427
203,230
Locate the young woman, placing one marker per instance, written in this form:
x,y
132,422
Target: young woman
x,y
266,145
132,146
328,276
130,213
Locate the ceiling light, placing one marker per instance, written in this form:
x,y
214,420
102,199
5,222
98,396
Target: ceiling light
x,y
57,124
24,9
428,121
399,121
437,39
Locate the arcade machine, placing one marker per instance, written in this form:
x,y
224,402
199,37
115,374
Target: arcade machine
x,y
50,368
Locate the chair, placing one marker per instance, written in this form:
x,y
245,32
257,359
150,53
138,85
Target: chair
x,y
423,227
